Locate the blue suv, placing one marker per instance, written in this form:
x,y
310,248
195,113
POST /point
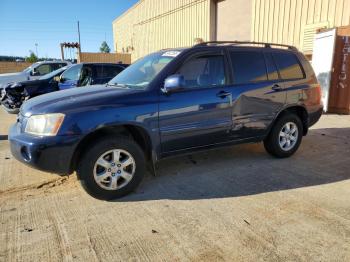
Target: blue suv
x,y
174,101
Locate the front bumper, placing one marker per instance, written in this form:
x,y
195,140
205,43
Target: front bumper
x,y
50,154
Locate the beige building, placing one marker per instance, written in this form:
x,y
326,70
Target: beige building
x,y
152,25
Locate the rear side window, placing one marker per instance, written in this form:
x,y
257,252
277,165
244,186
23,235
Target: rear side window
x,y
272,73
111,71
56,66
248,66
288,66
98,71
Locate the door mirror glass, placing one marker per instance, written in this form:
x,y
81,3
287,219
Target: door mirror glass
x,y
173,83
34,72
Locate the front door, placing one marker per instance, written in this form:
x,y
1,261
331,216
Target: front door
x,y
70,77
201,113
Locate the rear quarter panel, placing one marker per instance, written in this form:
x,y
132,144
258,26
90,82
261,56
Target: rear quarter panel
x,y
305,92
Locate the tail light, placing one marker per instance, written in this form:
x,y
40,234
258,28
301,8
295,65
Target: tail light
x,y
318,95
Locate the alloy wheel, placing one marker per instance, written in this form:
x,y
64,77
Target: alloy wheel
x,y
288,136
114,169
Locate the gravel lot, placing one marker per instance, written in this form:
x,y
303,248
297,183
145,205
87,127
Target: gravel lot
x,y
233,204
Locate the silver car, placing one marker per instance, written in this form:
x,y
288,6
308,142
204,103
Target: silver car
x,y
33,72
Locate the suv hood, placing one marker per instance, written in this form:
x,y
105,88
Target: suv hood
x,y
73,100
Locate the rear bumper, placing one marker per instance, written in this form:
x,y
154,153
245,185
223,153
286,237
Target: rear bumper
x,y
50,154
315,116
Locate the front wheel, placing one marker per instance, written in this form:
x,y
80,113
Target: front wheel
x,y
285,136
112,168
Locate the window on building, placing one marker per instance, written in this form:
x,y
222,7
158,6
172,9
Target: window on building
x,y
288,66
204,71
248,66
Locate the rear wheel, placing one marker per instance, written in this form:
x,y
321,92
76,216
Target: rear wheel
x,y
285,136
112,168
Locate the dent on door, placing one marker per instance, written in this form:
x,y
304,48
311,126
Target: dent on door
x,y
254,108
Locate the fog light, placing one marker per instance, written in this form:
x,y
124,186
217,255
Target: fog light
x,y
25,153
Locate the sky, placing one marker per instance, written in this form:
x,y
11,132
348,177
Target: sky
x,y
47,23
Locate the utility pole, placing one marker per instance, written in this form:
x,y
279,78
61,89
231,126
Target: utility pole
x,y
79,48
36,48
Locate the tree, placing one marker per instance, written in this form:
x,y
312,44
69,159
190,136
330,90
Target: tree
x,y
32,58
104,47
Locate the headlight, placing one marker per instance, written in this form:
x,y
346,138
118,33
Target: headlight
x,y
44,125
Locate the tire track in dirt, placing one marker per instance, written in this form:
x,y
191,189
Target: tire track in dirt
x,y
38,186
62,237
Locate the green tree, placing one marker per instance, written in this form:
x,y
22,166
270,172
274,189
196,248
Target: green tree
x,y
104,47
32,58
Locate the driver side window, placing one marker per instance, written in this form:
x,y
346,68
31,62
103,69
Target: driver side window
x,y
72,74
204,71
43,69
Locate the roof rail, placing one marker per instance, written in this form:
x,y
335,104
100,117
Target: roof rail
x,y
266,45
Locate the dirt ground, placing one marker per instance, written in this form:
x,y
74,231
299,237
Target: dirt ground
x,y
233,204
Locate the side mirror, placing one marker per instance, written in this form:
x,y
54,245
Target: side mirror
x,y
173,83
34,72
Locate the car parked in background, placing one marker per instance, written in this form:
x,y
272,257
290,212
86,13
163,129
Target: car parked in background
x,y
33,72
89,74
14,94
175,101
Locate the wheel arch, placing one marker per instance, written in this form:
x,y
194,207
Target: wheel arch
x,y
137,133
298,110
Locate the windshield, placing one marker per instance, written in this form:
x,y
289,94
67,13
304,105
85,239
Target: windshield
x,y
53,73
143,71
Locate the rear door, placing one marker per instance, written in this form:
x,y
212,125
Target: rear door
x,y
200,114
257,91
293,76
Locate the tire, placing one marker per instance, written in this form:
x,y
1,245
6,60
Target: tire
x,y
10,110
89,170
274,142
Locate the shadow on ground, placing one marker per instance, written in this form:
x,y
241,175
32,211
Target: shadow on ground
x,y
247,170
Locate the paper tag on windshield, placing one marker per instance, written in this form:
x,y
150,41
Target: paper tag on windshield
x,y
171,53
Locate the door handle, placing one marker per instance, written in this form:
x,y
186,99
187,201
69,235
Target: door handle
x,y
277,87
224,94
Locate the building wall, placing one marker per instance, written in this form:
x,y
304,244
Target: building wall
x,y
296,21
104,58
151,25
13,67
234,20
